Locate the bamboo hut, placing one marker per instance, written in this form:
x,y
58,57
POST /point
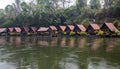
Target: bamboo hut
x,y
26,31
17,31
10,31
3,31
108,28
92,28
34,30
43,31
79,29
69,29
52,31
61,30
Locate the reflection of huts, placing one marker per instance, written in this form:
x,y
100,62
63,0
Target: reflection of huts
x,y
81,42
92,28
110,45
72,42
43,31
52,31
95,44
108,28
43,43
53,42
69,29
3,31
79,28
61,29
18,41
63,42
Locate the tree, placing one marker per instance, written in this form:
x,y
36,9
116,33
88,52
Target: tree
x,y
95,4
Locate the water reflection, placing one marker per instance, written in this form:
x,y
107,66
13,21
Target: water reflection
x,y
43,43
96,43
72,42
18,41
100,63
81,42
59,53
53,42
63,42
110,45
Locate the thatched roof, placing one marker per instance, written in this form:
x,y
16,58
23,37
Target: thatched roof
x,y
53,28
34,29
2,30
81,27
71,27
43,29
18,29
110,26
95,26
62,28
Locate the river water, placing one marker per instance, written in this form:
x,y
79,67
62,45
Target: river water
x,y
35,52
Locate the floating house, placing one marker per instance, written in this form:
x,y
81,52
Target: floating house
x,y
43,31
92,28
34,30
69,29
3,31
17,31
61,30
10,31
108,28
26,31
52,31
79,29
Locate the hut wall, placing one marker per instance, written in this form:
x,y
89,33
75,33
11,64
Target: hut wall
x,y
77,30
105,29
90,30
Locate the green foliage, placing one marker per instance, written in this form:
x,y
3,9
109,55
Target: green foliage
x,y
117,32
96,31
95,4
81,33
72,33
64,33
7,23
117,24
100,32
50,12
1,13
86,21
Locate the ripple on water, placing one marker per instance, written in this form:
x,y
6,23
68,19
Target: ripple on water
x,y
100,63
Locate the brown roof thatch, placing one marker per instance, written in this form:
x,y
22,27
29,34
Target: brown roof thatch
x,y
34,29
17,29
71,27
43,29
2,30
10,29
62,28
53,28
95,26
110,26
81,27
26,29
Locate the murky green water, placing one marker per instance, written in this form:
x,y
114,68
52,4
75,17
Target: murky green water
x,y
59,53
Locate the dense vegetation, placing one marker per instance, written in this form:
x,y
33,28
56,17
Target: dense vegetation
x,y
59,12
